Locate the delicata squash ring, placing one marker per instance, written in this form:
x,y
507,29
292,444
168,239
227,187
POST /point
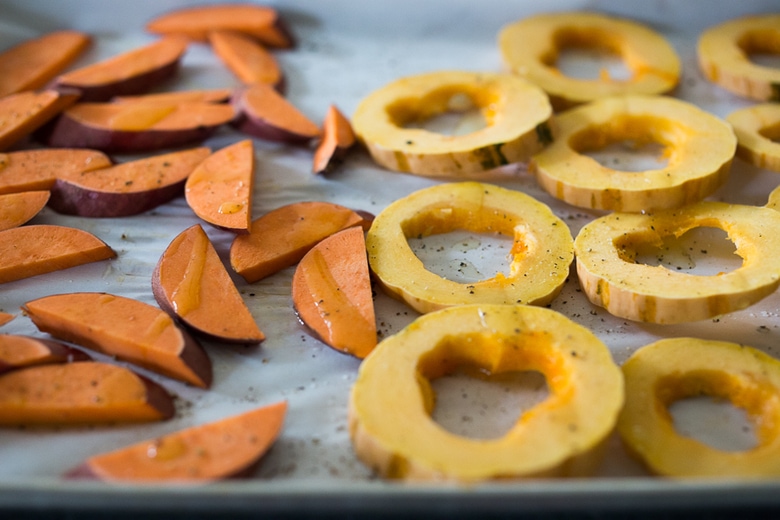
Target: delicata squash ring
x,y
530,49
724,56
605,250
699,148
542,250
758,134
517,116
668,370
392,400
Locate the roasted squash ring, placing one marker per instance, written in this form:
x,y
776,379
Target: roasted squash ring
x,y
668,370
392,400
758,134
530,48
517,116
606,250
724,56
542,250
699,148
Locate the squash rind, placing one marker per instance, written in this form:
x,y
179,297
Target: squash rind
x,y
390,403
699,145
513,108
543,248
675,368
656,294
757,128
530,47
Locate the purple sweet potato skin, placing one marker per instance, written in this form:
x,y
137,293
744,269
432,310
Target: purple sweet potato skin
x,y
70,199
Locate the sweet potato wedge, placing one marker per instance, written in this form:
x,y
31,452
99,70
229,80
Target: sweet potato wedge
x,y
261,22
226,448
177,97
135,127
127,188
337,138
331,292
220,189
31,64
264,113
281,237
190,282
5,317
32,170
43,248
129,329
18,208
246,58
23,113
88,392
23,351
132,72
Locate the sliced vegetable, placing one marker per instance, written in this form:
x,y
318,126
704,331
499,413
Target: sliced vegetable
x,y
5,317
191,283
43,248
88,392
331,292
259,21
246,58
516,113
220,189
176,97
262,112
18,208
129,329
31,64
32,170
337,138
217,450
23,351
758,134
281,237
23,113
135,127
391,402
127,188
131,72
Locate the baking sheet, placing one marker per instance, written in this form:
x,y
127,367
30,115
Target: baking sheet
x,y
347,49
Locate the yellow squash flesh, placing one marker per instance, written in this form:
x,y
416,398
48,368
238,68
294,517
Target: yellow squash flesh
x,y
517,119
698,146
391,401
669,370
542,250
606,249
530,48
758,134
724,56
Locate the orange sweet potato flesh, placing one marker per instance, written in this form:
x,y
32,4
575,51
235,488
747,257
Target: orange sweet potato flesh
x,y
18,208
127,188
88,392
22,351
220,189
260,22
131,72
280,238
191,283
247,59
126,328
5,317
331,292
32,250
226,448
23,113
262,112
337,138
176,97
31,64
32,170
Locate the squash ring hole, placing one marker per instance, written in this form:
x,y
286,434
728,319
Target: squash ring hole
x,y
588,53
